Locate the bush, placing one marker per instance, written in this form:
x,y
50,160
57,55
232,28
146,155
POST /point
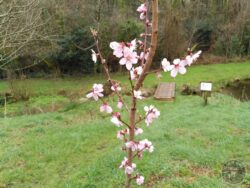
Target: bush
x,y
129,30
230,47
20,89
74,55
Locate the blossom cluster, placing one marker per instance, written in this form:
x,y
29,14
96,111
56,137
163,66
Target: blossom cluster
x,y
133,55
129,169
179,65
151,113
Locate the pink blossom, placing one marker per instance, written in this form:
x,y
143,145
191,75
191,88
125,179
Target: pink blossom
x,y
151,149
179,67
135,72
116,87
121,134
143,10
143,15
116,119
124,162
131,145
142,35
196,55
148,23
138,131
139,180
129,58
130,169
132,45
151,113
141,44
137,94
166,65
106,108
94,56
139,155
144,56
118,49
120,104
96,92
145,145
189,59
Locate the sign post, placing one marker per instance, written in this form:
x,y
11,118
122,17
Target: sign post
x,y
206,89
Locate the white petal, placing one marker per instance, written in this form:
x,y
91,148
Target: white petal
x,y
123,61
176,61
142,16
132,75
95,97
182,70
134,60
118,53
99,94
128,65
133,44
94,58
174,73
146,108
109,109
189,60
114,45
89,95
102,108
166,65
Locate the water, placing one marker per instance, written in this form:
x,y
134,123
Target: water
x,y
240,89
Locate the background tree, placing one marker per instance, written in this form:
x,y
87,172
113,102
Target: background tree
x,y
22,30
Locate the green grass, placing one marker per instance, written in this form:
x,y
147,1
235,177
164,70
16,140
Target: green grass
x,y
76,146
219,74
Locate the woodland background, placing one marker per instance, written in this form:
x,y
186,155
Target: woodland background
x,y
52,37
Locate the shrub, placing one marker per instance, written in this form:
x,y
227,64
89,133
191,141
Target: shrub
x,y
230,47
73,56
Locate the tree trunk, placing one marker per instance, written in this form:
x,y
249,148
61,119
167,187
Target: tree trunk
x,y
147,65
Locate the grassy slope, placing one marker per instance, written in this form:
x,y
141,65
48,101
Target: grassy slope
x,y
77,147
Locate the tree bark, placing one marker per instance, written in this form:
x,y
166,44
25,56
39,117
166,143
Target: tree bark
x,y
131,137
153,44
147,65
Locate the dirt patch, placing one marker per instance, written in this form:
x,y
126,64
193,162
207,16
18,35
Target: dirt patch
x,y
154,179
40,110
188,90
201,171
71,95
240,89
148,92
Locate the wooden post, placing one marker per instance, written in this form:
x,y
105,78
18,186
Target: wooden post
x,y
205,97
5,105
206,89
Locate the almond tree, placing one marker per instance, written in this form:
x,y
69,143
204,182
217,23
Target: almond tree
x,y
137,57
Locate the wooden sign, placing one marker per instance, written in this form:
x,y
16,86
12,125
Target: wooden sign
x,y
165,92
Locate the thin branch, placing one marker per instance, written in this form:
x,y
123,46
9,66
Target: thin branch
x,y
152,46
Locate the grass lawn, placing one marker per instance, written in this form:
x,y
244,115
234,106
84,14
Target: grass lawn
x,y
74,145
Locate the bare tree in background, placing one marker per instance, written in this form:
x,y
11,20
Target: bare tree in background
x,y
22,22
